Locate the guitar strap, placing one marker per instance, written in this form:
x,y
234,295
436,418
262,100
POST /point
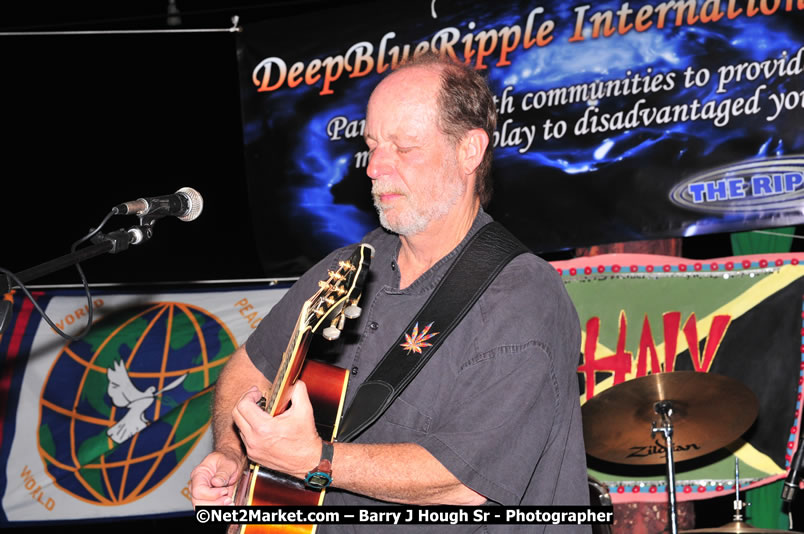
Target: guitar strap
x,y
483,257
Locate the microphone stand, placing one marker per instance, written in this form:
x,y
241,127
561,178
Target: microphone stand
x,y
111,243
790,486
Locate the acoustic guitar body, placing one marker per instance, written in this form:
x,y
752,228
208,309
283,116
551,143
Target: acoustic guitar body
x,y
326,385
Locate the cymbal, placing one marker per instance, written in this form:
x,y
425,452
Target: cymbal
x,y
736,527
709,411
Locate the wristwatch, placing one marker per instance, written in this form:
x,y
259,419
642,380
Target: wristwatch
x,y
321,475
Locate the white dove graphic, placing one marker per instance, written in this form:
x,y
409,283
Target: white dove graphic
x,y
125,395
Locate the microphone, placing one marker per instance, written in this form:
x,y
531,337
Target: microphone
x,y
186,204
796,466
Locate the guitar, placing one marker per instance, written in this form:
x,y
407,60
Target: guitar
x,y
335,301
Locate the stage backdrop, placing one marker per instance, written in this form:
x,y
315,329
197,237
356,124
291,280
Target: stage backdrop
x,y
76,446
618,121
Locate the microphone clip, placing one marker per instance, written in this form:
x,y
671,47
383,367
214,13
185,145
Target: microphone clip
x,y
147,221
121,239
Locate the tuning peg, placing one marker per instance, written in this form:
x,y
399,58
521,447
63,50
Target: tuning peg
x,y
331,333
335,275
352,311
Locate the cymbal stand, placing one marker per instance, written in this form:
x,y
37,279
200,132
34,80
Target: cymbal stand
x,y
739,504
665,410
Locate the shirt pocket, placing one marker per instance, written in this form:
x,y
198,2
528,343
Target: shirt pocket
x,y
401,422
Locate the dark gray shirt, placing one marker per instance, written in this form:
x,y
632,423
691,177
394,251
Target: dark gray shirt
x,y
497,404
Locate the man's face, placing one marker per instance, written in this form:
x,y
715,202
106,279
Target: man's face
x,y
413,166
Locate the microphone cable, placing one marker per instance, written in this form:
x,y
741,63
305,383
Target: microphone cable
x,y
36,305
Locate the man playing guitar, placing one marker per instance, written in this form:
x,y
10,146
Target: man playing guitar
x,y
494,415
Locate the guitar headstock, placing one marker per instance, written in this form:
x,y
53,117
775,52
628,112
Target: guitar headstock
x,y
337,297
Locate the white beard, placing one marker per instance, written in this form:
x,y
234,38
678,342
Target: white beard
x,y
415,211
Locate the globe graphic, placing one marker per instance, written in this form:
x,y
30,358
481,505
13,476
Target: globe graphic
x,y
113,444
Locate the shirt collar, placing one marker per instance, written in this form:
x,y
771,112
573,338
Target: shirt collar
x,y
430,278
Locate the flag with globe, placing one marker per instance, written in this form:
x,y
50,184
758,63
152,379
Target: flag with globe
x,y
113,424
161,424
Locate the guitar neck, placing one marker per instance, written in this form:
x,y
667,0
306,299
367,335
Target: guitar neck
x,y
335,299
290,366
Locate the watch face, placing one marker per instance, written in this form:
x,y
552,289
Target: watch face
x,y
318,480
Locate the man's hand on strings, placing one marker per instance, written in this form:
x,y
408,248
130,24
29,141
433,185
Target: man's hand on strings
x,y
288,442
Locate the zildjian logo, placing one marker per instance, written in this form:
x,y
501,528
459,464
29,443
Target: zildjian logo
x,y
658,448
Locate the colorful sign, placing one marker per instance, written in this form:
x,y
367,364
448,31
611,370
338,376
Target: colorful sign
x,y
617,121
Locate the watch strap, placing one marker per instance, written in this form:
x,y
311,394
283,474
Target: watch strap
x,y
327,451
321,475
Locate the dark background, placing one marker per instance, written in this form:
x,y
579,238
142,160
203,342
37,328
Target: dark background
x,y
90,121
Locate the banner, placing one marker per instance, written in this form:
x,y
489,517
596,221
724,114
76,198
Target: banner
x,y
113,424
618,121
739,317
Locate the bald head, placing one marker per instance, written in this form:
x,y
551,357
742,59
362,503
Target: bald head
x,y
463,102
412,92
